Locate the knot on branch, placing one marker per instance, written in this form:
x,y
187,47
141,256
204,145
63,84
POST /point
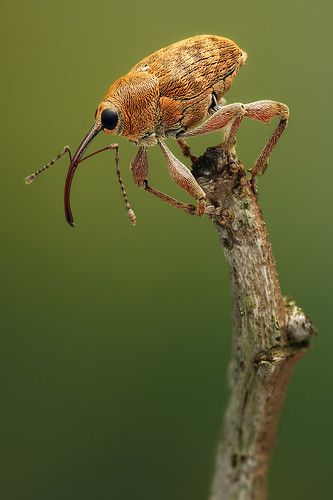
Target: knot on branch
x,y
298,325
299,330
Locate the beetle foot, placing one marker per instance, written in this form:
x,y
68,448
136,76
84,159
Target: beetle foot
x,y
211,210
201,207
219,215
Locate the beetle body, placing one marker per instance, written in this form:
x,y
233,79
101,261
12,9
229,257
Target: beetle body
x,y
174,89
175,92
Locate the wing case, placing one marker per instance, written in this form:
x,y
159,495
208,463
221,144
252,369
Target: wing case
x,y
190,67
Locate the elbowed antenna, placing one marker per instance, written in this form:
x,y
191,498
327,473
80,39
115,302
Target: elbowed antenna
x,y
32,177
71,171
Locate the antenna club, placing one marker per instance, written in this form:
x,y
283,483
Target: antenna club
x,y
28,180
131,216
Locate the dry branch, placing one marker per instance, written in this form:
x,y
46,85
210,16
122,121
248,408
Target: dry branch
x,y
270,334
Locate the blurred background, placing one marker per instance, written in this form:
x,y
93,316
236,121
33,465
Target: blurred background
x,y
113,360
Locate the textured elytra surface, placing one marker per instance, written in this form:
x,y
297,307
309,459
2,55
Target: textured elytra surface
x,y
190,67
175,88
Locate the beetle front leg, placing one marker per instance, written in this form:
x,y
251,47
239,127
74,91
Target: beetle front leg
x,y
139,169
130,213
185,207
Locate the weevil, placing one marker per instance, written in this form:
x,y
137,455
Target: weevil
x,y
175,92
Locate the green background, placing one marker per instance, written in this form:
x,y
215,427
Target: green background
x,y
115,339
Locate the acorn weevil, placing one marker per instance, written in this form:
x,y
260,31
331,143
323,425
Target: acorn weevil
x,y
176,92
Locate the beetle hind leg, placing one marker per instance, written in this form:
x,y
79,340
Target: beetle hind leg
x,y
264,111
218,121
230,117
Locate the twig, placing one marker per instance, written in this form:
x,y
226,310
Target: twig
x,y
270,334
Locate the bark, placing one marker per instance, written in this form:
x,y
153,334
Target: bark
x,y
270,334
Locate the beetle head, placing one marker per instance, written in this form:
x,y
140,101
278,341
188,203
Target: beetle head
x,y
129,108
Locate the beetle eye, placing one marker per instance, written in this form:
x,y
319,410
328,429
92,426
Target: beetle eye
x,y
109,119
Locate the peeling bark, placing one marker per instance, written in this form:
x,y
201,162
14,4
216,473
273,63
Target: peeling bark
x,y
270,334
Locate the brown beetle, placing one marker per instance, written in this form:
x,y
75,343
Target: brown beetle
x,y
176,92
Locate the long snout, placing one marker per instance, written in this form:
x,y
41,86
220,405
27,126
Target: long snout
x,y
71,171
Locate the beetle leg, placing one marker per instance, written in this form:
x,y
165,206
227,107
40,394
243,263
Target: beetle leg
x,y
186,150
217,121
260,110
185,207
265,111
139,168
230,132
184,179
130,213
